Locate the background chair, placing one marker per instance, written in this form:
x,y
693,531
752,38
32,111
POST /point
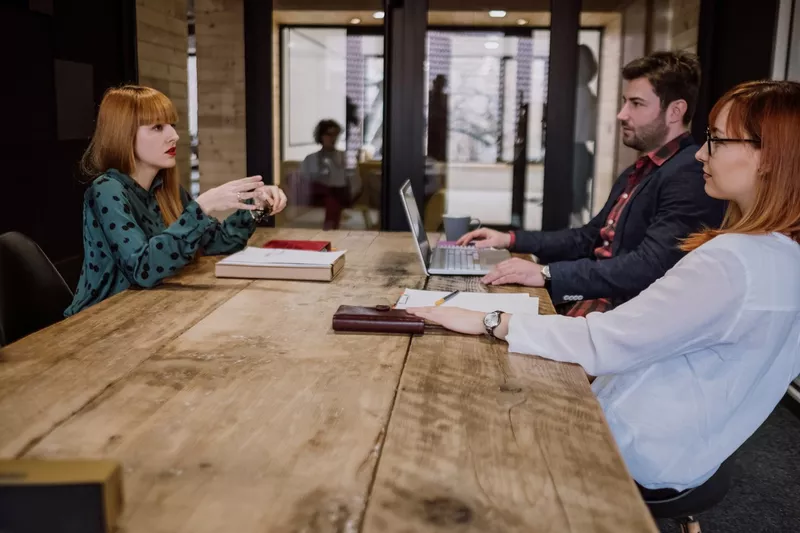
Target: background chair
x,y
684,506
370,173
33,295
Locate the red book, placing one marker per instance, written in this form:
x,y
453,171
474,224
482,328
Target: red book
x,y
311,246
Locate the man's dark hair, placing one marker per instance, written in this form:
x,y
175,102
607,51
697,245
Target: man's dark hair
x,y
322,127
673,75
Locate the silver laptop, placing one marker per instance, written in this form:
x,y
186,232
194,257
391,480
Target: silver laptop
x,y
447,260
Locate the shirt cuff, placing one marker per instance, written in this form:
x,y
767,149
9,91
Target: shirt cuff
x,y
520,332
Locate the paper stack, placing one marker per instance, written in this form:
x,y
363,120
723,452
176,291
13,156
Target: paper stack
x,y
516,303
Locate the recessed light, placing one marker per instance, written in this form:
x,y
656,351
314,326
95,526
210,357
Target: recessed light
x,y
378,15
521,22
491,45
355,21
497,13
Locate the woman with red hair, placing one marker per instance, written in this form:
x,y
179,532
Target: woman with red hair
x,y
139,225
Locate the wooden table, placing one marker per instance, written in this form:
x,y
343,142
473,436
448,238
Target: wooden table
x,y
235,408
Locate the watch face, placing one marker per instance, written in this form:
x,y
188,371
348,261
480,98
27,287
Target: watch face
x,y
492,320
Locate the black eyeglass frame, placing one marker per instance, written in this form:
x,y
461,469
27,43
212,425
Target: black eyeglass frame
x,y
710,140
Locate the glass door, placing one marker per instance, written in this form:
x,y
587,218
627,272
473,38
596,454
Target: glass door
x,y
487,77
331,117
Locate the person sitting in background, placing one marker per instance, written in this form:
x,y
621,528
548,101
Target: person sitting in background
x,y
327,172
691,367
139,225
653,204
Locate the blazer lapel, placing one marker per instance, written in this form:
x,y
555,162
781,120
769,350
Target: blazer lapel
x,y
623,217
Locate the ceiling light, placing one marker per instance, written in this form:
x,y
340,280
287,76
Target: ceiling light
x,y
355,21
491,45
497,13
521,22
378,15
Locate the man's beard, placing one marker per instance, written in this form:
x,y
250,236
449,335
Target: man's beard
x,y
649,137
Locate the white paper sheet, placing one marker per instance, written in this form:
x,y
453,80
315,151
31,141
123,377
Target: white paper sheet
x,y
518,303
253,256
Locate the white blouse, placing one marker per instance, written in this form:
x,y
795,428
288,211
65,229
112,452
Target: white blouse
x,y
690,368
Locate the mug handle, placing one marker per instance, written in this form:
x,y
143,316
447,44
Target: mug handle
x,y
476,222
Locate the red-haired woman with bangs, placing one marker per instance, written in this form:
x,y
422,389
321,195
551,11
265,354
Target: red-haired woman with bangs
x,y
692,366
139,225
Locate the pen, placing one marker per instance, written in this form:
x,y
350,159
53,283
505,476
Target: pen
x,y
440,301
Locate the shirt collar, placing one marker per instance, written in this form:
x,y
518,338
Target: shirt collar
x,y
132,184
662,155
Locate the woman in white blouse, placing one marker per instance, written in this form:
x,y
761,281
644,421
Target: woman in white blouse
x,y
689,369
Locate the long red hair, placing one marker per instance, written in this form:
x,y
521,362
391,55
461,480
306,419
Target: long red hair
x,y
122,111
768,111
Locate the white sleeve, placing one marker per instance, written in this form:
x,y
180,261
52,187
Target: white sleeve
x,y
696,304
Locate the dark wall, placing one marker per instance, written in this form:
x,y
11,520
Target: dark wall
x,y
735,40
57,57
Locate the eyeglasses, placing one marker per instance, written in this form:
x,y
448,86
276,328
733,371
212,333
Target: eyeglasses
x,y
710,140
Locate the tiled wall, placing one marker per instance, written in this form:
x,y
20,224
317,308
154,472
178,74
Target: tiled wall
x,y
219,29
162,43
684,24
605,148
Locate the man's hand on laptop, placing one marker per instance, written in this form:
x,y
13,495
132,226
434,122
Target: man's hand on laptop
x,y
515,270
486,238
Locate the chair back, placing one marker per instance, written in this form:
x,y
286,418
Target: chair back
x,y
33,295
696,500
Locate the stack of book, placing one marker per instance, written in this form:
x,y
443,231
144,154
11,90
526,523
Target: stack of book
x,y
283,263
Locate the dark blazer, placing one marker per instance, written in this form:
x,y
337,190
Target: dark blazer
x,y
669,204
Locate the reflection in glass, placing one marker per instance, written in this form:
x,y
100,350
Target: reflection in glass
x,y
331,127
487,95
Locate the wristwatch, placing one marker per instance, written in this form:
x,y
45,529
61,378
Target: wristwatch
x,y
491,321
546,272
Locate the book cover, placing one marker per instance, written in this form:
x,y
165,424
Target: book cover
x,y
312,246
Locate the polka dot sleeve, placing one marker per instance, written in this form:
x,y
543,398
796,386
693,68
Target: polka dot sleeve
x,y
144,261
228,236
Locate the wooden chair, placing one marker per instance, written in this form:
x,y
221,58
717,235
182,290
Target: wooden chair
x,y
369,200
370,174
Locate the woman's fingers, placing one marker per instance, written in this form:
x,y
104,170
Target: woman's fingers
x,y
246,184
277,199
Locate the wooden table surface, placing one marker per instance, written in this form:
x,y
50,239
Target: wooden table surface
x,y
234,407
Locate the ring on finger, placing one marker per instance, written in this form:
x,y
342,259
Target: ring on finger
x,y
239,196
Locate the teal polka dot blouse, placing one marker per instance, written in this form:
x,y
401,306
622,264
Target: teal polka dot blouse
x,y
126,242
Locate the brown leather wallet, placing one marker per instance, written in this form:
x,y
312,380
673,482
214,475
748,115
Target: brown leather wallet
x,y
378,319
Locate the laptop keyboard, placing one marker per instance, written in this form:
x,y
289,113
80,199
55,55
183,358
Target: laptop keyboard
x,y
461,259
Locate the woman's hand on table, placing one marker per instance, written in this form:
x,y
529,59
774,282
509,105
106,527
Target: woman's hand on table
x,y
460,320
452,318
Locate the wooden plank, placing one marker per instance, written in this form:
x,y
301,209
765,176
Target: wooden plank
x,y
258,418
482,440
157,19
46,377
160,37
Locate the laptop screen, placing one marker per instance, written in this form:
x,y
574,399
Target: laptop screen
x,y
415,221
